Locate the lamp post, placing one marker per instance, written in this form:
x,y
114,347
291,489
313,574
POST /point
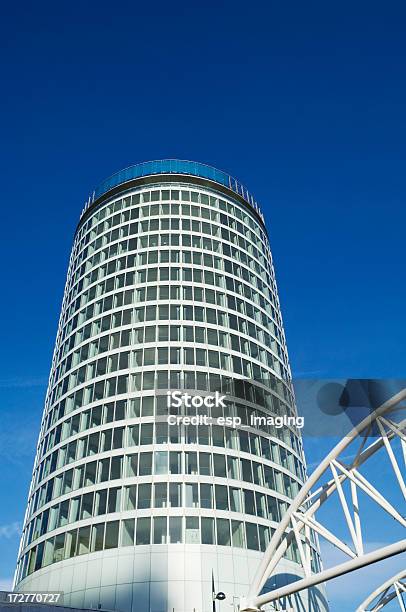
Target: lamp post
x,y
220,596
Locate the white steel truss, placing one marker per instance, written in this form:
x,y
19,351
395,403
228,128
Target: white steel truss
x,y
391,590
388,424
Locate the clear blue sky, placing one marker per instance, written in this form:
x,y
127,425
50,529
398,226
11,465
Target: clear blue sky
x,y
303,102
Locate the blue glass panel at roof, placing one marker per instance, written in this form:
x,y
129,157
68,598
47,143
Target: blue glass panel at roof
x,y
175,166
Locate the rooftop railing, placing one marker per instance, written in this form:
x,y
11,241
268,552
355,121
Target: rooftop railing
x,y
172,166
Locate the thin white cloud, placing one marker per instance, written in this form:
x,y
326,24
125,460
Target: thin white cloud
x,y
18,444
347,592
307,373
10,530
19,382
345,458
6,584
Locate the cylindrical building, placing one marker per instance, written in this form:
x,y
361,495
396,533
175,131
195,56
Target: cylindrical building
x,y
170,286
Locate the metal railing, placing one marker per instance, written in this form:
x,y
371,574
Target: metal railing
x,y
173,166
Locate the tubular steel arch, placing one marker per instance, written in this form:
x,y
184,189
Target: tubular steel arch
x,y
388,591
299,522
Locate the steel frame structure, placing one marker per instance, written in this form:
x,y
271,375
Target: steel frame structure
x,y
299,522
388,591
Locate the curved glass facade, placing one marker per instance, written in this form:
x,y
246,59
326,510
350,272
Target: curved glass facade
x,y
170,287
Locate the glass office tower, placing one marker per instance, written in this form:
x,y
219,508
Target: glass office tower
x,y
170,286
